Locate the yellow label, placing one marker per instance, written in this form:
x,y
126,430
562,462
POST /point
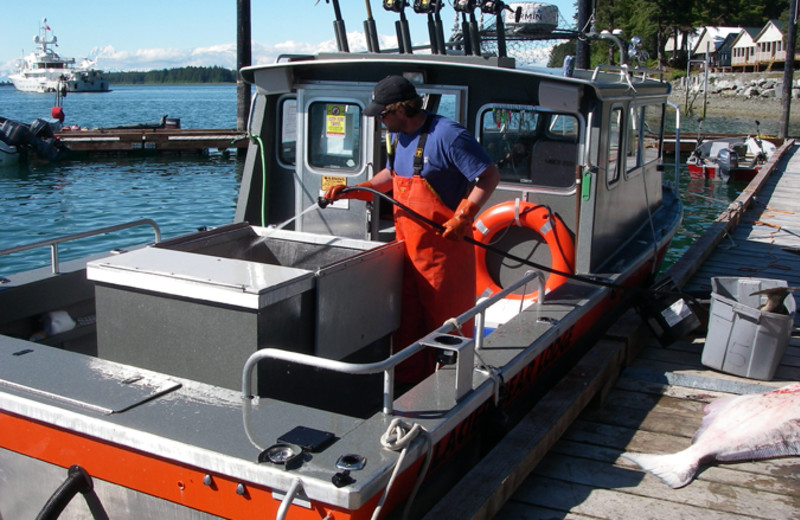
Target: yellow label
x,y
329,181
335,121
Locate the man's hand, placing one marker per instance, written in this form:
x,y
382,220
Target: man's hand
x,y
461,223
335,192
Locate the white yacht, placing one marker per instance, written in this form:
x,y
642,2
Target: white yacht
x,y
44,70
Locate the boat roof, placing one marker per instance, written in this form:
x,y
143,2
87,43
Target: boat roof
x,y
442,69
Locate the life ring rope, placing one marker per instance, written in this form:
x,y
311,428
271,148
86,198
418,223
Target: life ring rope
x,y
532,216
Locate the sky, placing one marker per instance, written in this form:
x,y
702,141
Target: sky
x,y
129,35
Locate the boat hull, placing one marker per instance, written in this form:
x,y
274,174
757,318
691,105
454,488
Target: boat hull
x,y
712,171
130,477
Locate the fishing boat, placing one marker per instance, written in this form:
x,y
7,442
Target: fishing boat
x,y
247,371
733,158
44,70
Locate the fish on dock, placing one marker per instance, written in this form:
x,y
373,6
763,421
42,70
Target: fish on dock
x,y
739,428
775,297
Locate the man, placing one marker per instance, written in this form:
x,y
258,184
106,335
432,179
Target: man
x,y
451,179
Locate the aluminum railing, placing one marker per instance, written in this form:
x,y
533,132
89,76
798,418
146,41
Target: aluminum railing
x,y
440,338
54,242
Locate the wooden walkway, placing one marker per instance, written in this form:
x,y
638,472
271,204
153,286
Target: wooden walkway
x,y
656,406
144,141
630,393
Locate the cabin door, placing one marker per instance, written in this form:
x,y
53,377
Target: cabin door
x,y
338,146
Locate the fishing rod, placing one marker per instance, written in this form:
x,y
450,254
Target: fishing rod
x,y
427,7
401,25
322,203
338,28
472,36
496,8
437,18
370,31
435,28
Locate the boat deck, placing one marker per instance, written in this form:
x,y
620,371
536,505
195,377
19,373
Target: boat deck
x,y
631,393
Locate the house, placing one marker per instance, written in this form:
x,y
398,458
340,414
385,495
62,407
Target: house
x,y
770,45
686,42
714,45
743,49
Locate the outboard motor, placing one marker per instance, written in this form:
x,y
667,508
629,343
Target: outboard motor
x,y
38,138
728,161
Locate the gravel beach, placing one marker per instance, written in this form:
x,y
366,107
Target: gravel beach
x,y
736,101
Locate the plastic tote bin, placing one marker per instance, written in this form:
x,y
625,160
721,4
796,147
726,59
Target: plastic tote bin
x,y
743,340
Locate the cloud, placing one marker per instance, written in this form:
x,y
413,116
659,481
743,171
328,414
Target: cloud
x,y
224,55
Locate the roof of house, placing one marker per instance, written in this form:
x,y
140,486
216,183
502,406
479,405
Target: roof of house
x,y
711,38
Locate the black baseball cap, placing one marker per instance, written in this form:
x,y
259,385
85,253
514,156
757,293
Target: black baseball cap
x,y
390,89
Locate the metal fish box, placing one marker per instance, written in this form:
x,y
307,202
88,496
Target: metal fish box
x,y
742,339
198,306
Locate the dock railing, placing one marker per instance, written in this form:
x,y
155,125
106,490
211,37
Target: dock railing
x,y
442,338
54,242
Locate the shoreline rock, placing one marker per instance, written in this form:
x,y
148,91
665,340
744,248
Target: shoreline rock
x,y
756,95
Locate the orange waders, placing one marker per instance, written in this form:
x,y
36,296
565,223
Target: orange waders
x,y
438,274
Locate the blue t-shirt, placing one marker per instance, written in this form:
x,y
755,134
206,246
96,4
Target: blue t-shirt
x,y
452,158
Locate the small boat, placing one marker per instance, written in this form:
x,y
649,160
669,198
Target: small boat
x,y
247,371
729,159
44,70
37,139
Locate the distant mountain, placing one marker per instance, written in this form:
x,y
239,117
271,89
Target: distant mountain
x,y
179,75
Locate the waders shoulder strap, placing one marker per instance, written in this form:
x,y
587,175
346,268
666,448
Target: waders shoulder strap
x,y
418,154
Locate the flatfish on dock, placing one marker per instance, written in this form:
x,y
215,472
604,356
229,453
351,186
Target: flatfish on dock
x,y
740,428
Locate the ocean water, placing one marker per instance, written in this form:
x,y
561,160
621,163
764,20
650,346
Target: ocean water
x,y
182,194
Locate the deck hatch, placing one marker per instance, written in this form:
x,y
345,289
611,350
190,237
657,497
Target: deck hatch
x,y
81,381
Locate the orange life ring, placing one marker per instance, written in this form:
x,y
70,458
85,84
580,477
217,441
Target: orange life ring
x,y
532,216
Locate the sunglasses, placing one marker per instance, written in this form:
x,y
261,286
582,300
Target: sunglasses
x,y
384,114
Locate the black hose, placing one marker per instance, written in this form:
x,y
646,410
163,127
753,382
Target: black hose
x,y
322,202
78,481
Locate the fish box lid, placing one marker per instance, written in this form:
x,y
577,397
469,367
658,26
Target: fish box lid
x,y
241,283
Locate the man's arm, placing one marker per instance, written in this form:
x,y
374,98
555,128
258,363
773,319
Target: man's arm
x,y
487,182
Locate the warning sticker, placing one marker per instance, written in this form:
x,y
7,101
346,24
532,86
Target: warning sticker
x,y
329,181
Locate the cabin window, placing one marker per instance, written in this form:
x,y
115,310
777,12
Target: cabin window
x,y
564,127
334,135
651,136
507,135
530,146
614,145
288,133
445,104
632,158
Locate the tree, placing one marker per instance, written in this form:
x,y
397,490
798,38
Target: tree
x,y
655,21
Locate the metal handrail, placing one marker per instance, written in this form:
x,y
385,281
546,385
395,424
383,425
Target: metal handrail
x,y
53,242
387,365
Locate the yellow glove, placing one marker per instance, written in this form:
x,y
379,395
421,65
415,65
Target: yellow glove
x,y
457,227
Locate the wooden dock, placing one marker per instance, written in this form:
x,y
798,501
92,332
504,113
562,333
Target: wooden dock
x,y
139,141
630,393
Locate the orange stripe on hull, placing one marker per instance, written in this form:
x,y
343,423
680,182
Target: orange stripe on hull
x,y
139,471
